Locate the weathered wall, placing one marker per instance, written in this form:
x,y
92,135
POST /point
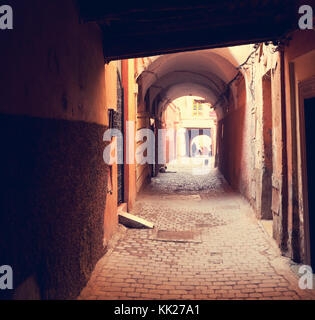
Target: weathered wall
x,y
273,116
52,64
111,99
111,85
233,136
143,173
245,133
261,168
130,113
53,178
53,184
300,67
278,139
171,119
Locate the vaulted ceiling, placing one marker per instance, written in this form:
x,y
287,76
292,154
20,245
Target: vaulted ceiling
x,y
145,28
203,73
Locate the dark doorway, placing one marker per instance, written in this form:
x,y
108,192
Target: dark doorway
x,y
266,195
309,112
119,124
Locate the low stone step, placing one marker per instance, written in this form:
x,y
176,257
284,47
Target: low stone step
x,y
132,221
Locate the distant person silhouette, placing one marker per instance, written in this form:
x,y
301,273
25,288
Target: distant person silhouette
x,y
193,149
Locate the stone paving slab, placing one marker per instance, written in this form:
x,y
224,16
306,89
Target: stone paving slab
x,y
132,221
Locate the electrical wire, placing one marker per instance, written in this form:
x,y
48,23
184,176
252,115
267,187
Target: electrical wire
x,y
224,93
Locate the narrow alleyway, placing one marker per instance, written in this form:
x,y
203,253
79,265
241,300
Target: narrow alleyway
x,y
206,244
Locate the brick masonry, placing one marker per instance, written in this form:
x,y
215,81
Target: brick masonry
x,y
236,259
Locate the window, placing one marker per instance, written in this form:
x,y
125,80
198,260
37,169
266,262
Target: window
x,y
197,108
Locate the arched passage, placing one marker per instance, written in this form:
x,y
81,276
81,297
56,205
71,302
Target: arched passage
x,y
59,205
216,76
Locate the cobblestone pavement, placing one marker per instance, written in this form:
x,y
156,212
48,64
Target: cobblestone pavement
x,y
224,252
